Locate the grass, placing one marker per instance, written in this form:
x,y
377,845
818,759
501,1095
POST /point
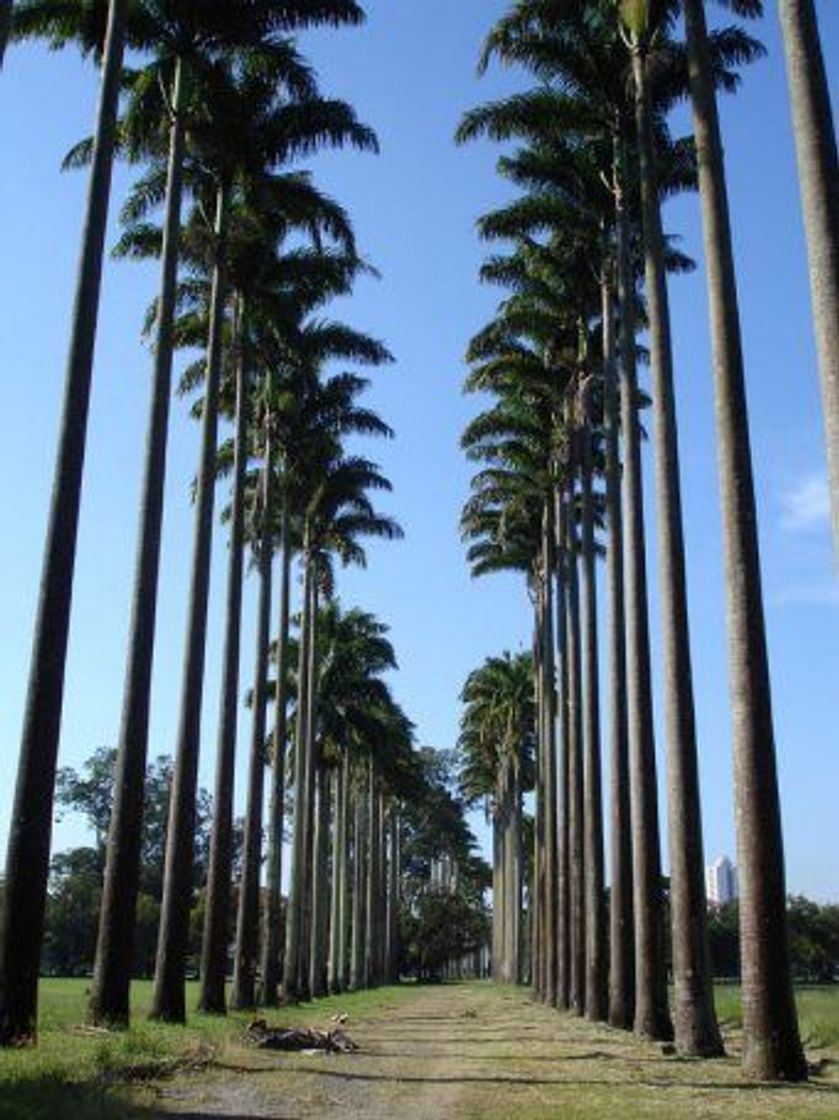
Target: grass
x,y
82,1075
818,1012
70,1070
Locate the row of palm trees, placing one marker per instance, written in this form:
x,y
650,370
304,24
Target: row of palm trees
x,y
216,108
587,269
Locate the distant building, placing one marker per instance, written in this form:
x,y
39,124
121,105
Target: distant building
x,y
721,882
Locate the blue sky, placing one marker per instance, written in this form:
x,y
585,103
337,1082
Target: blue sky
x,y
410,73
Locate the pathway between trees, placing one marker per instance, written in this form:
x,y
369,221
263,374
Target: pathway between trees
x,y
473,1050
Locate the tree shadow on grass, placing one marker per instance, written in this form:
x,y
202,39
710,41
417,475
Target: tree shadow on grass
x,y
51,1098
571,1083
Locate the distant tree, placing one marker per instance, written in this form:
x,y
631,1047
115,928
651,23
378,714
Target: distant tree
x,y
75,890
814,940
444,926
89,791
724,940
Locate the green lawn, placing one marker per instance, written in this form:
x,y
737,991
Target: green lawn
x,y
69,1071
818,1012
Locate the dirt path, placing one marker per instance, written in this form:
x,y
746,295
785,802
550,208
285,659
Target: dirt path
x,y
470,1051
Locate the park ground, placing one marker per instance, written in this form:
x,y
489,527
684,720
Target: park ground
x,y
426,1053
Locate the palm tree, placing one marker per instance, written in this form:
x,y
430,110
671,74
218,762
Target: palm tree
x,y
336,512
695,1022
275,289
190,49
270,132
771,1042
247,927
497,733
818,170
27,858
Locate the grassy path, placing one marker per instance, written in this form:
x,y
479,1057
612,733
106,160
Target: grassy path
x,y
476,1051
453,1052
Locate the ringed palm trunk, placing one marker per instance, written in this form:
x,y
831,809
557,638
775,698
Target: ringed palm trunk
x,y
272,938
510,853
320,886
563,834
247,924
212,997
595,925
109,1000
771,1042
344,874
359,931
550,941
394,873
537,931
295,900
371,881
818,172
696,1030
310,756
334,979
30,831
621,936
168,1000
575,805
652,1017
497,895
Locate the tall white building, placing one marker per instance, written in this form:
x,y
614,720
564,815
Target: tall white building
x,y
721,882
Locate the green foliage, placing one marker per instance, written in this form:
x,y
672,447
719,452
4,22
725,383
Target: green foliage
x,y
75,885
813,933
443,926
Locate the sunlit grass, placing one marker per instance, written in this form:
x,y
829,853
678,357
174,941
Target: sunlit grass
x,y
818,1012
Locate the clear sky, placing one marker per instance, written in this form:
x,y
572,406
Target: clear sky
x,y
410,73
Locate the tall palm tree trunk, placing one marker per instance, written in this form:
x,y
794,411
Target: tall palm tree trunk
x,y
695,1022
359,930
550,940
771,1042
652,1017
30,831
382,889
371,881
246,955
563,939
212,997
320,887
537,932
272,941
168,1000
621,935
596,980
310,755
295,900
510,852
344,877
818,172
109,1000
575,805
498,895
394,874
334,979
